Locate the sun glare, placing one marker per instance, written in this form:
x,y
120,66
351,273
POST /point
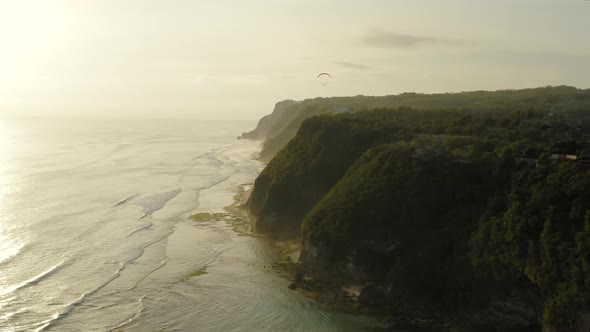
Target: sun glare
x,y
5,148
30,33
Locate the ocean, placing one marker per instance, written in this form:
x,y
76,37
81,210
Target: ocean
x,y
95,233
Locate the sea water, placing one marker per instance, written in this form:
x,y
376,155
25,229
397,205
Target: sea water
x,y
96,235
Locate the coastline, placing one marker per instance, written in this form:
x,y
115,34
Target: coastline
x,y
329,291
333,292
286,264
286,252
280,260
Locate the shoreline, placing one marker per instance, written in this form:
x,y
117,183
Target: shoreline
x,y
284,261
329,291
333,295
287,265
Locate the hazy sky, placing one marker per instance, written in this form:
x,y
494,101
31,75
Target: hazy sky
x,y
224,59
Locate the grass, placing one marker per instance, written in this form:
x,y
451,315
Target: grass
x,y
206,216
196,273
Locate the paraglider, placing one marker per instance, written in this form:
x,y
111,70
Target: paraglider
x,y
324,76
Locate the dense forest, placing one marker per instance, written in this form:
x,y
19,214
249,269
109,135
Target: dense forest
x,y
280,127
475,205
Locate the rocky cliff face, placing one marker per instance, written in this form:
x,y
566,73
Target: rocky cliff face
x,y
409,200
267,122
307,168
402,223
582,324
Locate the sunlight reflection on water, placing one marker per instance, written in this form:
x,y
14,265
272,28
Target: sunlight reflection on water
x,y
8,248
5,151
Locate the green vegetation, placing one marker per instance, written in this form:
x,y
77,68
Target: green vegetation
x,y
562,101
196,273
206,216
545,234
452,210
235,216
313,162
404,222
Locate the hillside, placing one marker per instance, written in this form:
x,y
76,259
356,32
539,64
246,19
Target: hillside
x,y
458,211
559,101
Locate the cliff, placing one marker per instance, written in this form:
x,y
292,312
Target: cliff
x,y
441,210
309,166
266,123
404,223
563,101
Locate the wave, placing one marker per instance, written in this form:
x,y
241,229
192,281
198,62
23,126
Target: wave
x,y
133,317
141,228
156,202
209,158
55,318
117,274
125,200
8,254
206,186
161,265
36,279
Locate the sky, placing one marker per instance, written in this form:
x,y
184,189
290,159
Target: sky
x,y
236,58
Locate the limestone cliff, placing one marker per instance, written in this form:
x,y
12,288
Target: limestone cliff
x,y
266,123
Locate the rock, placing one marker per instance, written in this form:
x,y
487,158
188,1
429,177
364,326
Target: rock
x,y
299,276
511,314
372,295
267,122
293,286
584,321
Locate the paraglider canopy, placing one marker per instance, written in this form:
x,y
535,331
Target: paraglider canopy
x,y
324,77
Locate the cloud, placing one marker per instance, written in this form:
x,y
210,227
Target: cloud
x,y
380,38
350,65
